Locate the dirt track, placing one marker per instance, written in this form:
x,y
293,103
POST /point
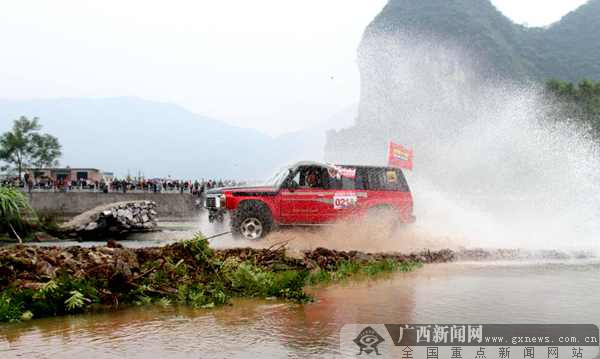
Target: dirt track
x,y
347,236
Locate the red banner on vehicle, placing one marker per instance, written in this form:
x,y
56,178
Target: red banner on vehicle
x,y
400,156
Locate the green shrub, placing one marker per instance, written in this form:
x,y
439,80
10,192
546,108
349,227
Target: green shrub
x,y
290,285
75,302
346,269
250,281
10,308
62,295
318,276
199,248
14,208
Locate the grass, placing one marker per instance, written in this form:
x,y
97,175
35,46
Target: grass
x,y
193,275
13,210
12,204
348,269
19,221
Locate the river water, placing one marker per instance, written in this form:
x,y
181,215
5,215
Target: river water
x,y
540,291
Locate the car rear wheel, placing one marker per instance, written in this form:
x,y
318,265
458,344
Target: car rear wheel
x,y
383,219
251,221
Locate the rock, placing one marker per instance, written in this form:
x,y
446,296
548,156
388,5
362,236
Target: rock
x,y
111,243
361,256
95,257
128,215
121,217
123,268
32,285
43,237
45,269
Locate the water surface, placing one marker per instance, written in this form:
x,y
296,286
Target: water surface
x,y
475,292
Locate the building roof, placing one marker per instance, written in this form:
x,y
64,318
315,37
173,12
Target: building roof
x,y
62,169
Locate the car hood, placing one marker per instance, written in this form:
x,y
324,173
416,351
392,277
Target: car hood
x,y
243,190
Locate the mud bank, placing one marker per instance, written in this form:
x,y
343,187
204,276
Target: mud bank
x,y
46,281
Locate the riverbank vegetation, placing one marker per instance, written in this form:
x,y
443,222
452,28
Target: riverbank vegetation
x,y
20,223
580,102
14,209
37,282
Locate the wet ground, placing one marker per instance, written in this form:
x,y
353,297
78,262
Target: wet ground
x,y
473,292
532,287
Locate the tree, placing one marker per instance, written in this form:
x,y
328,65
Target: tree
x,y
580,102
24,146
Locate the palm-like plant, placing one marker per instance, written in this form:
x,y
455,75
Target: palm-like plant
x,y
13,206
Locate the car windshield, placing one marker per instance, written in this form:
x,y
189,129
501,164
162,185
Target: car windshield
x,y
277,179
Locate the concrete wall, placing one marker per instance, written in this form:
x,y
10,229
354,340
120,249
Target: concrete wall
x,y
70,204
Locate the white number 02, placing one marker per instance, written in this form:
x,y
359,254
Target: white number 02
x,y
341,202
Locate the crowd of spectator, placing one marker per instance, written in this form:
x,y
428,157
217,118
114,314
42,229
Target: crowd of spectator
x,y
195,187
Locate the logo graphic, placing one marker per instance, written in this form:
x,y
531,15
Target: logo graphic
x,y
368,340
400,156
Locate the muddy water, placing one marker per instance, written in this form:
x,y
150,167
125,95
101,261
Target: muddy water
x,y
491,292
362,236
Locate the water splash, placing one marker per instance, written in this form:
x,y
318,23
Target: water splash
x,y
493,166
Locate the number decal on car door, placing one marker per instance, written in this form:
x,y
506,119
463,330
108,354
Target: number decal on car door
x,y
344,201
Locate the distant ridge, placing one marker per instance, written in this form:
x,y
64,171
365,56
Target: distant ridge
x,y
127,135
568,49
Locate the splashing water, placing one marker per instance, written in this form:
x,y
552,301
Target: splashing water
x,y
493,166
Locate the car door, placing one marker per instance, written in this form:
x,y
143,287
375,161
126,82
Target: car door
x,y
349,195
303,205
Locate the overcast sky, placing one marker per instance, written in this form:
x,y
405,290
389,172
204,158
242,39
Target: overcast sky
x,y
276,65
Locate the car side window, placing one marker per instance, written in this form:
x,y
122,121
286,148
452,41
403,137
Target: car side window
x,y
386,179
361,180
375,179
343,183
339,182
295,179
312,177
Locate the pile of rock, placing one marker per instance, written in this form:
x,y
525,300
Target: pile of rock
x,y
119,217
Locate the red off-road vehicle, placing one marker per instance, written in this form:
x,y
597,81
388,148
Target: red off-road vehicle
x,y
312,193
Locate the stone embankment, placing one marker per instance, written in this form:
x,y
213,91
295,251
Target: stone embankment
x,y
115,218
71,204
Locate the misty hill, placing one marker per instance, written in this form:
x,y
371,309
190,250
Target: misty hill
x,y
568,49
159,139
431,69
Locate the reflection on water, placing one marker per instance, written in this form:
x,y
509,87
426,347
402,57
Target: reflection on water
x,y
509,292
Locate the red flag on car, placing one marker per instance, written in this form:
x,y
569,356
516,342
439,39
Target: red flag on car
x,y
400,156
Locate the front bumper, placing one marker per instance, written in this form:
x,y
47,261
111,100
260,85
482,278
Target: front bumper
x,y
214,201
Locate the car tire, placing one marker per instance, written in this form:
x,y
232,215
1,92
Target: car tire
x,y
251,220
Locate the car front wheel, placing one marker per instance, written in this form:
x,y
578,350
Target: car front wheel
x,y
251,228
251,221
